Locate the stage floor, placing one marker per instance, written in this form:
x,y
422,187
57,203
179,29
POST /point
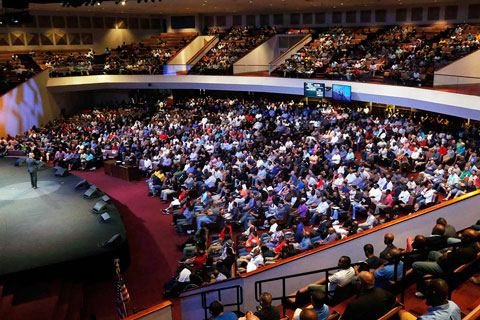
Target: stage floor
x,y
48,225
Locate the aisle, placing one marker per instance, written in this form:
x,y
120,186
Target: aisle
x,y
151,240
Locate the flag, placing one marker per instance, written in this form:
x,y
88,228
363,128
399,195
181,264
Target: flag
x,y
122,297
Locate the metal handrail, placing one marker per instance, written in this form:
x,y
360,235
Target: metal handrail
x,y
448,276
258,284
238,303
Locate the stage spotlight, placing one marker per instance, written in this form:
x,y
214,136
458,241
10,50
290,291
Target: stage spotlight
x,y
124,2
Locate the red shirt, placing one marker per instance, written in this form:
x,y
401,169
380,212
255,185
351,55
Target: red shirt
x,y
198,262
279,246
222,234
442,151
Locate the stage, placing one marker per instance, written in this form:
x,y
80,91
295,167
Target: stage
x,y
49,225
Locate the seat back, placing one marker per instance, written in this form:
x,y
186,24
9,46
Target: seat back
x,y
342,293
394,311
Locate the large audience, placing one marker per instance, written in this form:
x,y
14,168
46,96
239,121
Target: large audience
x,y
368,289
13,72
405,55
235,44
289,176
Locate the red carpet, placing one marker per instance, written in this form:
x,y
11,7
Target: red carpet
x,y
151,240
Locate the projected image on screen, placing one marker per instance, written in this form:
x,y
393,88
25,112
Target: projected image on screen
x,y
342,93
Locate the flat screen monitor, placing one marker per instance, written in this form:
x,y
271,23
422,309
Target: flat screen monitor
x,y
342,93
314,90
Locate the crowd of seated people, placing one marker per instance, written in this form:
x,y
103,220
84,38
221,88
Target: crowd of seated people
x,y
71,64
13,72
373,282
137,59
284,173
405,55
332,45
146,57
234,45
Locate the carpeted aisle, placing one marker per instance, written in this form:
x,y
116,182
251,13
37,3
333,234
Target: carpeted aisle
x,y
151,240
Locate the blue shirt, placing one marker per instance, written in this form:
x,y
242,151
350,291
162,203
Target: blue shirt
x,y
385,274
227,316
305,243
448,311
323,313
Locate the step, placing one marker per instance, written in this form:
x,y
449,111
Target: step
x,y
6,306
40,309
61,308
75,302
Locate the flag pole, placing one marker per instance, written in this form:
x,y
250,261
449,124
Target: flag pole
x,y
122,293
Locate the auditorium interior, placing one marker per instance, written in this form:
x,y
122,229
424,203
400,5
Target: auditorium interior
x,y
239,159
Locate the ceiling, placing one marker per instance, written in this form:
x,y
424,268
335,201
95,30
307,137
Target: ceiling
x,y
175,7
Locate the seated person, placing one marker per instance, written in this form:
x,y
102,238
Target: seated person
x,y
388,240
371,303
441,308
318,305
369,223
339,278
372,262
440,263
306,241
387,273
216,310
267,311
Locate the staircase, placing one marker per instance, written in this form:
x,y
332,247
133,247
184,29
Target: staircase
x,y
42,300
98,63
29,63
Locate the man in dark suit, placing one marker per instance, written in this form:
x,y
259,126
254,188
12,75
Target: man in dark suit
x,y
32,166
372,303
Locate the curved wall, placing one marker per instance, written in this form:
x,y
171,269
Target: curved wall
x,y
461,105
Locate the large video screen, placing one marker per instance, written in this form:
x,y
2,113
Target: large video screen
x,y
343,93
314,90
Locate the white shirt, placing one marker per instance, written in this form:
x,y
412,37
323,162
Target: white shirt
x,y
428,194
340,277
254,263
147,163
376,194
322,207
184,275
336,158
404,196
273,227
351,177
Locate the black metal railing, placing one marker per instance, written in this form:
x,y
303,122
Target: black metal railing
x,y
448,275
238,302
258,284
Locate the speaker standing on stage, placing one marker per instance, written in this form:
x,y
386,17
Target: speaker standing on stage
x,y
32,166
